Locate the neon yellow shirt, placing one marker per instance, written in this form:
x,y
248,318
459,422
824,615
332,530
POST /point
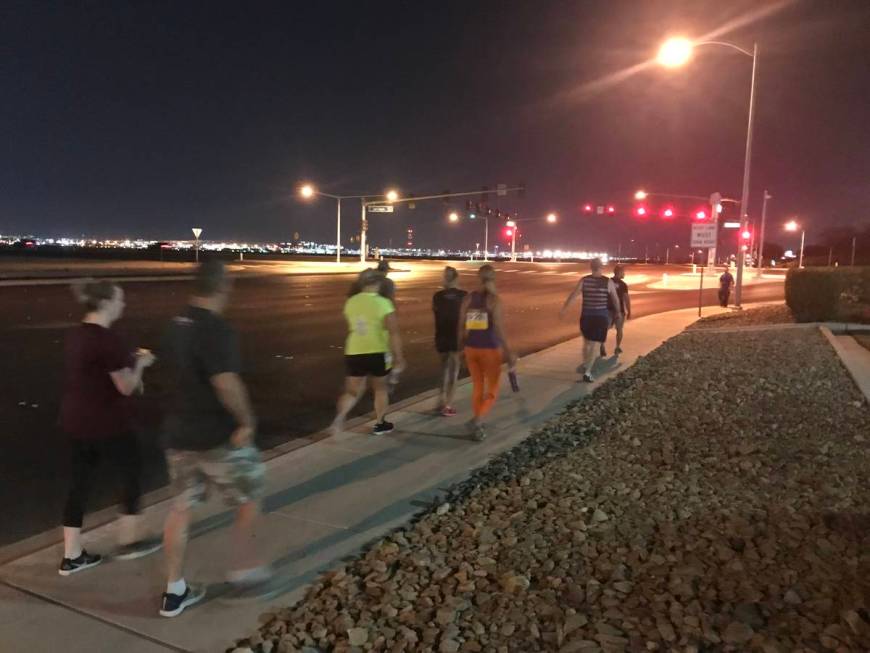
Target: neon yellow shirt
x,y
365,313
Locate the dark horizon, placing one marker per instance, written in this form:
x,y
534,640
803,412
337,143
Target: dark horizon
x,y
145,120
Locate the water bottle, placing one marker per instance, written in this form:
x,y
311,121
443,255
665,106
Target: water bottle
x,y
392,381
512,377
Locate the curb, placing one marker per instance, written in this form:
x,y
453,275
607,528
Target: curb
x,y
853,366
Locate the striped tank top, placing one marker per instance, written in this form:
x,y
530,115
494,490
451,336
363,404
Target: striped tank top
x,y
595,295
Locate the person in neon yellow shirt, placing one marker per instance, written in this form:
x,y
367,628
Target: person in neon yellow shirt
x,y
372,350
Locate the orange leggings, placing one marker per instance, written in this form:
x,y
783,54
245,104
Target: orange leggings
x,y
485,368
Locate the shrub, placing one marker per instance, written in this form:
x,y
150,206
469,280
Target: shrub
x,y
827,294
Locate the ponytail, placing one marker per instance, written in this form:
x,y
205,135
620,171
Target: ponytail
x,y
91,293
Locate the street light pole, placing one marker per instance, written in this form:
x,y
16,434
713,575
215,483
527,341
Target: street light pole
x,y
801,257
338,230
767,196
747,165
362,232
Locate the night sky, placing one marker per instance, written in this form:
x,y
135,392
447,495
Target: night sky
x,y
145,119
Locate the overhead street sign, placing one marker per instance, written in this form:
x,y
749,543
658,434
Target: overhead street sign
x,y
704,235
502,190
381,208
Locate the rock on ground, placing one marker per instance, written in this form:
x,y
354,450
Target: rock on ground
x,y
711,498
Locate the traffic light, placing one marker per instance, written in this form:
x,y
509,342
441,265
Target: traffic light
x,y
641,211
611,209
508,232
746,234
701,214
587,208
668,212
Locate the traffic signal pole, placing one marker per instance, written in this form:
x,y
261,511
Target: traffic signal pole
x,y
767,196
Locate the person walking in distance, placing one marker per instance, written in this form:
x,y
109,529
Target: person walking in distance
x,y
388,286
620,312
372,350
726,282
446,305
481,332
596,291
100,373
209,429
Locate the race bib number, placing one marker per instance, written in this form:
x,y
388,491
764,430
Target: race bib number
x,y
477,320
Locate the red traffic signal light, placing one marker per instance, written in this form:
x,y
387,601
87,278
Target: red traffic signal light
x,y
508,232
668,212
700,214
641,211
746,234
587,208
611,208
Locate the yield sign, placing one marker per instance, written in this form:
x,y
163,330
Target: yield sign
x,y
196,232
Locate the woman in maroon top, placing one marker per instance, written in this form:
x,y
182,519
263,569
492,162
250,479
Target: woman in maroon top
x,y
100,373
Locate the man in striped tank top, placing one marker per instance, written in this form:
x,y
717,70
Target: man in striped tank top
x,y
595,290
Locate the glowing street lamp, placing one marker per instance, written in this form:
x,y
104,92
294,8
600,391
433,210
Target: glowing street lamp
x,y
676,52
552,218
453,217
641,195
792,225
391,195
307,191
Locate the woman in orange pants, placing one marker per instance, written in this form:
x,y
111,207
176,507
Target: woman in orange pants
x,y
481,331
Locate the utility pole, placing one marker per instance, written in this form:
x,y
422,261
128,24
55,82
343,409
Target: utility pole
x,y
854,238
767,196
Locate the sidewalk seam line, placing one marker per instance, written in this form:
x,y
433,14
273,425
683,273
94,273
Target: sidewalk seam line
x,y
88,615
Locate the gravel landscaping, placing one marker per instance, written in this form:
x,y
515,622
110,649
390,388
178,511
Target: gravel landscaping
x,y
713,497
763,315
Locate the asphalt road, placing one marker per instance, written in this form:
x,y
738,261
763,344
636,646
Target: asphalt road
x,y
292,335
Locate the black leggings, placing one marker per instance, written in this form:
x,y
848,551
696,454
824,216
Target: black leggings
x,y
123,454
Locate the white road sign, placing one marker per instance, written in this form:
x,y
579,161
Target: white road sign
x,y
196,232
381,208
704,235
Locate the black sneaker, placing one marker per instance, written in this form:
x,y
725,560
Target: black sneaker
x,y
603,352
138,549
383,428
174,604
68,566
587,378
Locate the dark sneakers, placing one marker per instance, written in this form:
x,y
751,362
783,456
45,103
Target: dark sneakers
x,y
382,428
68,566
138,549
174,604
587,378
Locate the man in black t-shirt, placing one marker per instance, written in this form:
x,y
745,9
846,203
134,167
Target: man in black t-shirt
x,y
726,281
621,312
209,432
446,304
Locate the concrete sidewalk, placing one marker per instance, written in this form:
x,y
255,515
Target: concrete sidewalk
x,y
323,502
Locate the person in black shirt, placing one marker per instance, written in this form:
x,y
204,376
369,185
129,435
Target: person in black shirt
x,y
209,430
726,281
621,312
446,305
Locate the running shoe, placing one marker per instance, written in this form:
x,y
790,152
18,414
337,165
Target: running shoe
x,y
174,604
138,549
587,378
479,433
617,351
448,411
382,428
603,352
70,566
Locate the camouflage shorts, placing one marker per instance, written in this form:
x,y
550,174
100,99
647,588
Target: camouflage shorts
x,y
238,474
